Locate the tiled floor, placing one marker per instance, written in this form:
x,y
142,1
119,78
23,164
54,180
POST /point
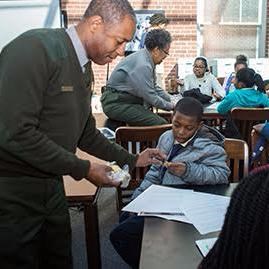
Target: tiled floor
x,y
108,218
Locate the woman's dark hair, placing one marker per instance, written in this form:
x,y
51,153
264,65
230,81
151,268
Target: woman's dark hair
x,y
241,57
240,62
204,60
244,238
158,18
159,38
190,106
250,78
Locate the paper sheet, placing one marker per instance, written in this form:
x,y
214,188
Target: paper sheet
x,y
205,245
205,211
159,199
213,106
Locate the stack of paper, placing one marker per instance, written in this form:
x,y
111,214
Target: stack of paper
x,y
160,201
205,211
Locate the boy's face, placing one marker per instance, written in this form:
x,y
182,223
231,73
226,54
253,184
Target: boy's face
x,y
184,127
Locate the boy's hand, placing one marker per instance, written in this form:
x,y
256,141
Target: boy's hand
x,y
177,169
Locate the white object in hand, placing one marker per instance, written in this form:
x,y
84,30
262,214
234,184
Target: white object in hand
x,y
121,175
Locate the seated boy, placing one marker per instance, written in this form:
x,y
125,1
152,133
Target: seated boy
x,y
195,156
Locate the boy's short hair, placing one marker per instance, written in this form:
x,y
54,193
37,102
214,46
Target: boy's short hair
x,y
189,106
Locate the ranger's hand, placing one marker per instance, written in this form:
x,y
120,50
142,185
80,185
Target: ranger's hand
x,y
100,175
150,156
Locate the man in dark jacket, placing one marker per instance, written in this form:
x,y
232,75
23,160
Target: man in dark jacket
x,y
45,88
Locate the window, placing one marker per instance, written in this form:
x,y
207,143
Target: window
x,y
230,27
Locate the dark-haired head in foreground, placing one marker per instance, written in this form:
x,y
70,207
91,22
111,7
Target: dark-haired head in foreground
x,y
187,118
244,239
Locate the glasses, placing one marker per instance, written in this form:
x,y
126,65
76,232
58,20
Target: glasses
x,y
165,52
199,66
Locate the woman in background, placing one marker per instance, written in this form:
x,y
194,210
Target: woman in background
x,y
228,84
245,94
241,61
203,80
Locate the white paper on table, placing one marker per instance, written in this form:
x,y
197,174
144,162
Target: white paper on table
x,y
205,211
171,216
205,245
213,106
156,199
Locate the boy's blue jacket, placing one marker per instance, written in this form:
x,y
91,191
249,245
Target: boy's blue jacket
x,y
204,156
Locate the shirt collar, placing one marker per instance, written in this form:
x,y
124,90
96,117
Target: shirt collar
x,y
80,50
186,143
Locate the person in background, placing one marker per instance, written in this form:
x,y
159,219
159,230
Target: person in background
x,y
195,156
245,94
44,116
266,86
203,80
132,87
260,144
243,241
156,21
228,84
241,57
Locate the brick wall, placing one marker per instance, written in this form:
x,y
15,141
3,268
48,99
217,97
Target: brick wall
x,y
267,32
182,26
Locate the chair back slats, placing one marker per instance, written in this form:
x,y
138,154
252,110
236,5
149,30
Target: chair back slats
x,y
135,140
238,158
246,118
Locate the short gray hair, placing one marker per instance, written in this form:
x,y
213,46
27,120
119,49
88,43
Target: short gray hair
x,y
157,38
111,11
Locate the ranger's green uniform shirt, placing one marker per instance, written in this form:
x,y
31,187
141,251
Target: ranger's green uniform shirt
x,y
45,109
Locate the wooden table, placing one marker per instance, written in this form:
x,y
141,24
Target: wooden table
x,y
85,194
170,244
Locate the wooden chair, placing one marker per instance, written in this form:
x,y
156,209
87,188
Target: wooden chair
x,y
83,194
246,118
238,158
135,140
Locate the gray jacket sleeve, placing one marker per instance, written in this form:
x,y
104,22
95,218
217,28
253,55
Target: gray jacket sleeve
x,y
143,83
212,169
163,94
152,177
